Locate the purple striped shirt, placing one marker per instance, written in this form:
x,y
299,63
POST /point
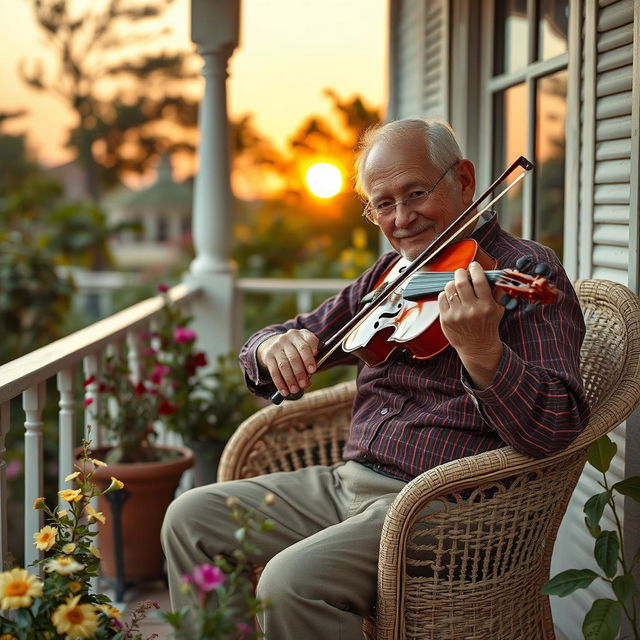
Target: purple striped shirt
x,y
411,415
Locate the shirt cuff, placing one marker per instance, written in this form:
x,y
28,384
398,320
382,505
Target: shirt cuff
x,y
253,373
505,381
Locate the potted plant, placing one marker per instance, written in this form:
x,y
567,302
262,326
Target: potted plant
x,y
130,411
204,405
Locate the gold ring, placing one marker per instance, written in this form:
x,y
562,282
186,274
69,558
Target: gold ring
x,y
451,297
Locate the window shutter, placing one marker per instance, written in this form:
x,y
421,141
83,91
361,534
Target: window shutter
x,y
606,173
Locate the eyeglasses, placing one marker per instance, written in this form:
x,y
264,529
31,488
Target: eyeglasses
x,y
416,198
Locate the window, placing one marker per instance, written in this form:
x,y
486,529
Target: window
x,y
527,95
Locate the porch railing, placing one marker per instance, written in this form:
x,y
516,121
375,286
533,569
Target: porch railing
x,y
81,353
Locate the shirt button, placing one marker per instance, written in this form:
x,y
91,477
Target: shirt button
x,y
384,411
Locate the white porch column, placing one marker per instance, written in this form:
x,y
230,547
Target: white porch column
x,y
215,26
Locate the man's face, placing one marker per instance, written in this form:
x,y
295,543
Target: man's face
x,y
396,170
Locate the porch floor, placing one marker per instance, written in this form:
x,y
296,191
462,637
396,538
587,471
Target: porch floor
x,y
158,592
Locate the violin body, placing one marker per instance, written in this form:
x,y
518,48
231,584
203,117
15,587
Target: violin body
x,y
407,324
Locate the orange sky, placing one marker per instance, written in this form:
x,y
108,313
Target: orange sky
x,y
290,51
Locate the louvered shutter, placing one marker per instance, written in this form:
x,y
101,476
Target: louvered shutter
x,y
606,177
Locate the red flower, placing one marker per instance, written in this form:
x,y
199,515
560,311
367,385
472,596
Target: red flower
x,y
166,408
139,388
199,359
89,380
88,401
163,288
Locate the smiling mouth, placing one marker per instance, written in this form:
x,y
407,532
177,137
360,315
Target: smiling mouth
x,y
401,234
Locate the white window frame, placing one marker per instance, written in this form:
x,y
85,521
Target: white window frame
x,y
490,85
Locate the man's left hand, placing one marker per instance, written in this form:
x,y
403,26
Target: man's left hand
x,y
470,318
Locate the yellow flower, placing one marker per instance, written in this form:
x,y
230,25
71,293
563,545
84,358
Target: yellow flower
x,y
62,513
64,565
70,547
92,514
71,495
45,538
38,503
72,476
74,586
75,620
108,610
7,636
18,588
115,485
98,463
95,551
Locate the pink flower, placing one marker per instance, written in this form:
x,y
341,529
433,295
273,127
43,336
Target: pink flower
x,y
87,402
242,628
182,334
207,577
160,371
88,381
13,469
163,288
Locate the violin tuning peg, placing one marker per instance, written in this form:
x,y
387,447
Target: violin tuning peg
x,y
512,305
508,302
542,269
524,263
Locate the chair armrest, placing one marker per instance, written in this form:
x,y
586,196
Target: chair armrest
x,y
290,436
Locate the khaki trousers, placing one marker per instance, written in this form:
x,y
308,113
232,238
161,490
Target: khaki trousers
x,y
320,559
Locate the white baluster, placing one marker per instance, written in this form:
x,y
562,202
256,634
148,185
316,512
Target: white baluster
x,y
133,355
67,425
4,429
303,301
91,366
33,400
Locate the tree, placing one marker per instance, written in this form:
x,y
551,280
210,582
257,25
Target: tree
x,y
118,94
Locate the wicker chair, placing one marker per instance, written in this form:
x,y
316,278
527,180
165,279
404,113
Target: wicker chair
x,y
475,570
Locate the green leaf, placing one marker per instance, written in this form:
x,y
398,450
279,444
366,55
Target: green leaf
x,y
606,552
602,621
601,452
629,487
624,587
568,581
594,531
594,507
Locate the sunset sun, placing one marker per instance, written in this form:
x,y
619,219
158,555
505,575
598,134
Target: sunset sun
x,y
323,179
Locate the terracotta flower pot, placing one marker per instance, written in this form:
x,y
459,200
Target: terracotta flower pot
x,y
151,487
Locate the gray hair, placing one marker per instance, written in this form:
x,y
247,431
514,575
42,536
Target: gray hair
x,y
442,149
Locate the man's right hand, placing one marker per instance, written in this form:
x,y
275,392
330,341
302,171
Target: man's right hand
x,y
290,358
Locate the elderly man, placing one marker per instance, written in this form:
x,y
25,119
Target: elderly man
x,y
507,378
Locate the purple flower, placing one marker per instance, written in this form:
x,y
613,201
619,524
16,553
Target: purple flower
x,y
242,628
182,334
207,577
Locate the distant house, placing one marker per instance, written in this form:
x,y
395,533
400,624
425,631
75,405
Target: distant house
x,y
557,82
163,211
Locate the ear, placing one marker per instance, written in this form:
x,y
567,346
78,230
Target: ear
x,y
466,176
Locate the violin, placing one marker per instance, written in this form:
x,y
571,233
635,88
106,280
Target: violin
x,y
409,317
392,291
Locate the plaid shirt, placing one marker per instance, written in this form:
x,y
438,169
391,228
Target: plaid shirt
x,y
411,415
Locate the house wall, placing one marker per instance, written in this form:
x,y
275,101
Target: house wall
x,y
448,56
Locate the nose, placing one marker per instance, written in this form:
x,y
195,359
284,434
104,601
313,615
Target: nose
x,y
405,214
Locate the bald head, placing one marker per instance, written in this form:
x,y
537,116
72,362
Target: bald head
x,y
432,138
